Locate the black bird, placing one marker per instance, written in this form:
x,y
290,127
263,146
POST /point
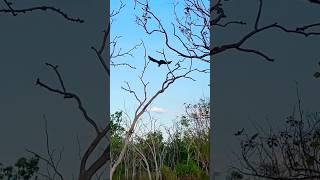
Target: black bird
x,y
238,133
159,62
316,74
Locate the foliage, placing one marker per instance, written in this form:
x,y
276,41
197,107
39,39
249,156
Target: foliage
x,y
115,124
288,153
119,172
183,154
167,173
189,168
116,132
24,169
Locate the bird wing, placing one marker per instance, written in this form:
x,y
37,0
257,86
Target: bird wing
x,y
152,59
164,62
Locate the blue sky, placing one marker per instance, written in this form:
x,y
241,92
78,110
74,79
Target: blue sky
x,y
182,91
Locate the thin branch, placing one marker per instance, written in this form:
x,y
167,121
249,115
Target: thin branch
x,y
99,52
72,96
15,12
256,24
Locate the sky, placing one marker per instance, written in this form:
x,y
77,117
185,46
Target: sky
x,y
27,42
171,103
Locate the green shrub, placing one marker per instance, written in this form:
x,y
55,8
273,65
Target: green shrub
x,y
190,168
190,171
167,173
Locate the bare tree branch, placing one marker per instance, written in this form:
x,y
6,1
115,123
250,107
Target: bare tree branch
x,y
69,95
50,161
15,12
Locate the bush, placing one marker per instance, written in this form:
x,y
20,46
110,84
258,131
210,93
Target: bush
x,y
167,173
189,168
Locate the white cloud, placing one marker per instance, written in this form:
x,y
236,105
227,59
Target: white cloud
x,y
158,110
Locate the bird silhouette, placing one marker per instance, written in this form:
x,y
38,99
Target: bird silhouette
x,y
316,74
238,133
159,62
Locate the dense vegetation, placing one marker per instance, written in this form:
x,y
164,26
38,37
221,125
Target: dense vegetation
x,y
287,152
181,152
24,168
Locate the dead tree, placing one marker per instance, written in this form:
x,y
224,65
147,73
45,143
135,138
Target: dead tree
x,y
87,171
173,75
